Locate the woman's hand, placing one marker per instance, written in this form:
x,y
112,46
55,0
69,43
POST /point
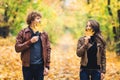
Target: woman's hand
x,y
102,76
87,40
45,71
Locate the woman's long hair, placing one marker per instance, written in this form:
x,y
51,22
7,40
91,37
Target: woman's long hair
x,y
96,28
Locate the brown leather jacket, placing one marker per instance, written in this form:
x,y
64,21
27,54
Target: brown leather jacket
x,y
23,44
101,53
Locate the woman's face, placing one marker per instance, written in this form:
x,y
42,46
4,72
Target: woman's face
x,y
89,31
88,26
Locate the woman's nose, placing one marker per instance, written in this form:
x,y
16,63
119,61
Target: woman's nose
x,y
88,27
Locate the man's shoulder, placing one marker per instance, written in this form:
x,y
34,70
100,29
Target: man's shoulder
x,y
44,33
23,31
27,29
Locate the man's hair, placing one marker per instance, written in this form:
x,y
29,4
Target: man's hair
x,y
31,16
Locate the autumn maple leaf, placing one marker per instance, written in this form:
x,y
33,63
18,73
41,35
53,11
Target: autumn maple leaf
x,y
89,32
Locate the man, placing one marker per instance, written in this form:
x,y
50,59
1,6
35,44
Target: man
x,y
91,49
35,49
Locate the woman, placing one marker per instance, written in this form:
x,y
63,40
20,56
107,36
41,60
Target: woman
x,y
91,49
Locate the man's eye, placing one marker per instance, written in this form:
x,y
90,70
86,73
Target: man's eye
x,y
38,18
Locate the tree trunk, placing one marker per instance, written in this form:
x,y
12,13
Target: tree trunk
x,y
116,31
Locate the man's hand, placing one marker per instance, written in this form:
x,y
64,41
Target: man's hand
x,y
34,39
45,71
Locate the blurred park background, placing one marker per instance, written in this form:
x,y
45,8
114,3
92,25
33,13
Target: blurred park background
x,y
64,20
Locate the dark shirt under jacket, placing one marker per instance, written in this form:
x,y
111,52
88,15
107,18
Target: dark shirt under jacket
x,y
36,50
92,56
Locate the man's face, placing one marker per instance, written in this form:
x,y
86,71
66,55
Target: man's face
x,y
37,19
36,22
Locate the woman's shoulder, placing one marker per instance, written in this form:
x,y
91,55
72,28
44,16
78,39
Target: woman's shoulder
x,y
100,39
82,38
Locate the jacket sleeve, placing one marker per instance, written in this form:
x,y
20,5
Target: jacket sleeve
x,y
103,53
103,60
48,51
81,48
20,44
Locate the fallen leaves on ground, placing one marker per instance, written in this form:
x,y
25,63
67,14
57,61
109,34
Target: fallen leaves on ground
x,y
64,61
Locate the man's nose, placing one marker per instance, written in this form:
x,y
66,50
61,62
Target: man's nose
x,y
39,21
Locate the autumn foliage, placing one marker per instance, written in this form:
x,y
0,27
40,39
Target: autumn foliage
x,y
65,21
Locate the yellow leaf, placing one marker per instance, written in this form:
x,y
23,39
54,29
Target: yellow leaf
x,y
89,32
